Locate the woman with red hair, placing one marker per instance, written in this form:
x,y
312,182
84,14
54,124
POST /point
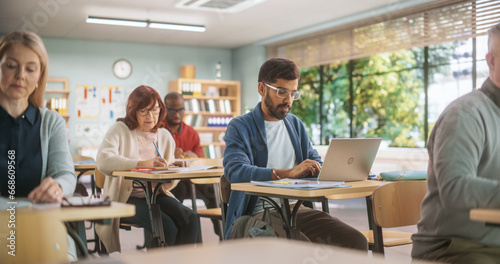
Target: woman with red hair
x,y
129,143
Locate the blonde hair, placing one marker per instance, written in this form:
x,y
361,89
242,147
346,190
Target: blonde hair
x,y
34,42
493,32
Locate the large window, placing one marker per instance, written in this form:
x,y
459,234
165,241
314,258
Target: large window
x,y
384,95
390,76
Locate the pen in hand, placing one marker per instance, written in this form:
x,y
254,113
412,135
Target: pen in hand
x,y
157,151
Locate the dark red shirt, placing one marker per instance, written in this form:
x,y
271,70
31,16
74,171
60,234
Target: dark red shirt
x,y
187,138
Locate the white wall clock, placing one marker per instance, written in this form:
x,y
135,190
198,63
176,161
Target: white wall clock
x,y
122,68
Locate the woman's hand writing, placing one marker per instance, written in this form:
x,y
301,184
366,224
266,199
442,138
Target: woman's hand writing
x,y
155,162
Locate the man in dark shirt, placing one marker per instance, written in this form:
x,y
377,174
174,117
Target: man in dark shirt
x,y
187,144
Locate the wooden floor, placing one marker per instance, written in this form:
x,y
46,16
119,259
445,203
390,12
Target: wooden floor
x,y
352,211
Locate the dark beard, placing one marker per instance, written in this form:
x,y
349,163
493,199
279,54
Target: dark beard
x,y
170,123
275,112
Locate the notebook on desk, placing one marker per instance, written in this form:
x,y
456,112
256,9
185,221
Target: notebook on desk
x,y
349,159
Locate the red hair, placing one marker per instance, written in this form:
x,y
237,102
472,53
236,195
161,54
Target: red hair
x,y
142,97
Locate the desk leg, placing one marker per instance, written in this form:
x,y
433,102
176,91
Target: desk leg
x,y
155,215
378,242
290,218
192,193
325,206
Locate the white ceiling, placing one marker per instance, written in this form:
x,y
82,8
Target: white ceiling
x,y
66,19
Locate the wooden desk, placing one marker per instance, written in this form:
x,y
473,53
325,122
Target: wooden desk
x,y
490,216
150,194
81,168
40,234
317,195
249,251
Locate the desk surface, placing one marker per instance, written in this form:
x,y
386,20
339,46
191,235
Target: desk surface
x,y
358,186
68,214
40,235
189,174
84,166
491,216
248,251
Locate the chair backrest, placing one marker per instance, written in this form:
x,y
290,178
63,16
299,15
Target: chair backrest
x,y
80,158
398,203
225,189
99,179
206,162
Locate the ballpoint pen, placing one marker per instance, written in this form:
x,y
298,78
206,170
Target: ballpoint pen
x,y
159,155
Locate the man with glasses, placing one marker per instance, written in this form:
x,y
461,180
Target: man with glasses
x,y
187,144
271,144
186,138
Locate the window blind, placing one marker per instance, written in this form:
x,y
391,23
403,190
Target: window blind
x,y
424,25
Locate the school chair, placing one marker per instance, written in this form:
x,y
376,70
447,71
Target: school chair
x,y
80,188
395,204
225,191
99,182
211,213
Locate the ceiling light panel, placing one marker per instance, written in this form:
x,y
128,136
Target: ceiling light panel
x,y
116,22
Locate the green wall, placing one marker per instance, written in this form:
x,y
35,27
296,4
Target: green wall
x,y
85,62
246,64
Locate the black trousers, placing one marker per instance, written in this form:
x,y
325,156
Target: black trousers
x,y
180,224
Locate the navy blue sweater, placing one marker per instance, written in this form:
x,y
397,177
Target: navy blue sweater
x,y
246,155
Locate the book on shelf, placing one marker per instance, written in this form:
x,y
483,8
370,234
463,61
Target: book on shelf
x,y
187,105
218,151
196,89
218,121
188,119
212,151
227,106
195,106
201,105
204,151
211,106
222,106
191,88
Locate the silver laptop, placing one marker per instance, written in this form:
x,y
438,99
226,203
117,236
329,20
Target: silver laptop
x,y
349,159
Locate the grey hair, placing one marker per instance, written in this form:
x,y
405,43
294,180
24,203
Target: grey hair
x,y
493,32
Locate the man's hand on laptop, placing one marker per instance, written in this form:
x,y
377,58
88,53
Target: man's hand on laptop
x,y
305,169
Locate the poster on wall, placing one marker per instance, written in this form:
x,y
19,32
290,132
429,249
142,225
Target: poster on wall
x,y
87,101
112,102
86,130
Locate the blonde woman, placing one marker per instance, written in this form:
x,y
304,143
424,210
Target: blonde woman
x,y
35,158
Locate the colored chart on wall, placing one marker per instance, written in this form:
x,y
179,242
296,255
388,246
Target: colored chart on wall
x,y
112,102
87,101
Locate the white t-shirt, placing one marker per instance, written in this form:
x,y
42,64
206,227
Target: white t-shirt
x,y
281,154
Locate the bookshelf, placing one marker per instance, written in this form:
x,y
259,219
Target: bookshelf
x,y
56,96
209,106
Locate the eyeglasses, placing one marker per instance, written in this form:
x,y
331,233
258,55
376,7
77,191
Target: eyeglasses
x,y
284,93
175,111
145,112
